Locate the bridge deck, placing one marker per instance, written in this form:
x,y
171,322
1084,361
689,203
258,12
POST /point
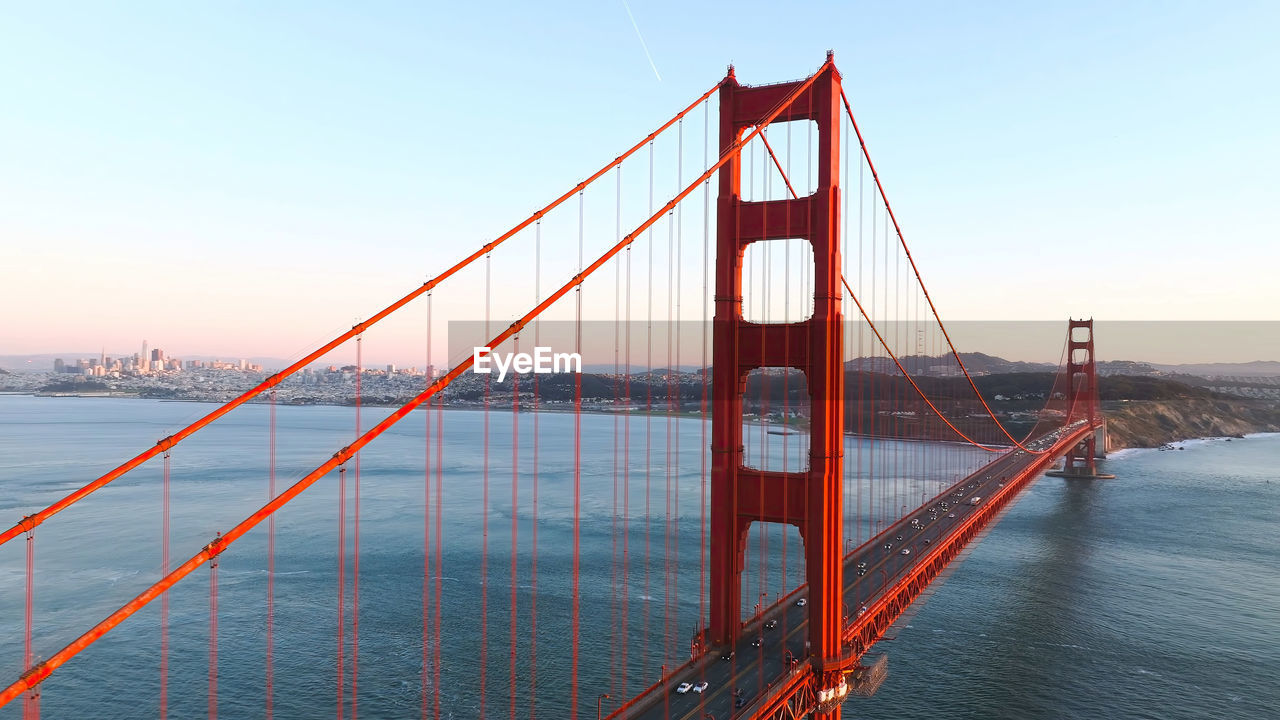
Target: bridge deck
x,y
757,670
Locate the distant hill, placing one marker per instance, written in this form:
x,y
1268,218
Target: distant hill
x,y
1258,368
945,364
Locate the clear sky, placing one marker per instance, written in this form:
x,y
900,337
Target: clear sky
x,y
242,178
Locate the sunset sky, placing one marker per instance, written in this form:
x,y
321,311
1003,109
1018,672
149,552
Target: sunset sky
x,y
240,179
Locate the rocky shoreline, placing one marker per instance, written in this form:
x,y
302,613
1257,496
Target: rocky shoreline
x,y
1154,423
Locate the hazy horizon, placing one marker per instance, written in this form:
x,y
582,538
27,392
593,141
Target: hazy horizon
x,y
1158,343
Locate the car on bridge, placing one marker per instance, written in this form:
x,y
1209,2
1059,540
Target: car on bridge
x,y
700,687
771,624
802,602
684,687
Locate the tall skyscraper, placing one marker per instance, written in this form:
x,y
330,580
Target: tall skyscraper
x,y
145,359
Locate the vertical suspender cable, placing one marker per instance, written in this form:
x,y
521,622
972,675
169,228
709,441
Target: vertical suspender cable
x,y
31,703
666,535
164,599
648,426
213,637
876,444
625,579
787,251
513,628
342,587
615,594
271,560
577,474
861,403
355,538
849,489
703,617
426,527
439,566
890,449
675,471
533,555
484,509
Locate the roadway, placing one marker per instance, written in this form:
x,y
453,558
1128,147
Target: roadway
x,y
869,570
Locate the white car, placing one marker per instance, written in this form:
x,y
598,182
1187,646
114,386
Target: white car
x,y
906,551
802,602
701,686
684,688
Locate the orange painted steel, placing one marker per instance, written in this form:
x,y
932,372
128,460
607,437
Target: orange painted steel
x,y
275,379
42,670
907,251
811,500
1082,382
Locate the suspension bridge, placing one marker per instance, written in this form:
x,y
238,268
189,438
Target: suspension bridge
x,y
774,451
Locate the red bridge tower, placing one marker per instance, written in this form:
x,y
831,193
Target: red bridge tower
x,y
1082,401
810,500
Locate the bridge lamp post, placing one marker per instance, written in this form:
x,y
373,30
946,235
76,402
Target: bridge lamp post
x,y
600,704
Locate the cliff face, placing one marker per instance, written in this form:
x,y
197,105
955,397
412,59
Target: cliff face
x,y
1147,424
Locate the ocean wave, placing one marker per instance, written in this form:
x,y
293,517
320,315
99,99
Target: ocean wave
x,y
1127,453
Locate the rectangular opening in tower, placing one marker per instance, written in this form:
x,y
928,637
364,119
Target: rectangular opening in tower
x,y
777,281
775,420
784,151
773,566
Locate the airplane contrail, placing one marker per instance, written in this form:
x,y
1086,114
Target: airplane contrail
x,y
643,45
